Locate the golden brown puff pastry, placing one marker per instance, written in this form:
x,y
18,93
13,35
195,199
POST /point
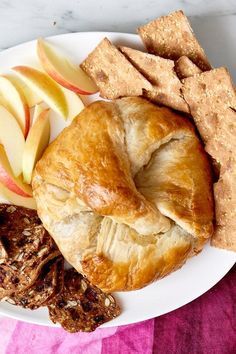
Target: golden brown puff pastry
x,y
126,193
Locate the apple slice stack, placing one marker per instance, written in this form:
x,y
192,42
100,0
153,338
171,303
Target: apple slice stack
x,y
55,86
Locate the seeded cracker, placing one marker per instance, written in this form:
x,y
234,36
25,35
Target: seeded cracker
x,y
26,247
48,284
81,306
160,72
172,37
184,68
114,75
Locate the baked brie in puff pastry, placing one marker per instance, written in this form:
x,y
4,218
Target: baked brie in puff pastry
x,y
126,193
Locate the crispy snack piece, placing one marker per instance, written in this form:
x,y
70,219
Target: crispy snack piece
x,y
25,245
172,37
81,306
3,253
212,101
114,75
48,284
184,67
225,201
160,72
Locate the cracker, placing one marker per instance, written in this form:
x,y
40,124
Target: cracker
x,y
3,253
225,202
46,286
212,101
172,37
113,73
81,306
160,72
184,67
27,245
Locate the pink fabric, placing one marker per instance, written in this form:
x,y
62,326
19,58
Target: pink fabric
x,y
205,326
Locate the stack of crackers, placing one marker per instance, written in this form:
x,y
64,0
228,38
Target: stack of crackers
x,y
32,275
176,73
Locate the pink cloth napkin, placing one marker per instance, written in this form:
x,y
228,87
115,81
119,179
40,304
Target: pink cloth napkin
x,y
205,326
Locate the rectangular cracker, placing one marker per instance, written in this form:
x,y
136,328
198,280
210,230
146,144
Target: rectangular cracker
x,y
184,67
172,37
114,75
212,101
225,205
166,87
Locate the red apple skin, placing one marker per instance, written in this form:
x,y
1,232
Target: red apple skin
x,y
7,181
27,120
27,112
16,199
48,67
29,73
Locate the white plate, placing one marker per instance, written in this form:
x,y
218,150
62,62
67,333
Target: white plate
x,y
197,276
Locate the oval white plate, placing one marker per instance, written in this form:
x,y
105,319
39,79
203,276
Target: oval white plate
x,y
197,276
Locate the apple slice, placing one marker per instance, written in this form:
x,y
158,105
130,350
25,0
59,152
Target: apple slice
x,y
13,198
63,71
36,143
31,97
74,103
11,137
15,102
44,87
15,184
38,109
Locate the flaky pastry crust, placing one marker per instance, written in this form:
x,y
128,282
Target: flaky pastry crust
x,y
126,193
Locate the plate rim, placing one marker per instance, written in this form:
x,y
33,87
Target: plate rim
x,y
142,317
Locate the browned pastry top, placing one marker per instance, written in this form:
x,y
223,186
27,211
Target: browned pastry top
x,y
125,191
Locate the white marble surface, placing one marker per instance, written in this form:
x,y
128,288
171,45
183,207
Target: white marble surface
x,y
22,20
214,21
